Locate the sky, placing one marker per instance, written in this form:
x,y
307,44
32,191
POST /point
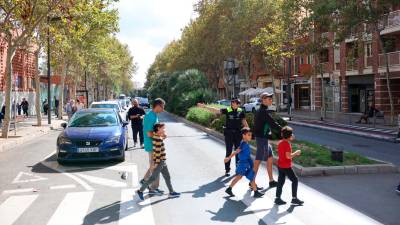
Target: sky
x,y
146,26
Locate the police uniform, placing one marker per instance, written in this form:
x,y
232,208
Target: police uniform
x,y
232,131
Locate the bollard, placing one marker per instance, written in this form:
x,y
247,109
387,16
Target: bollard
x,y
398,125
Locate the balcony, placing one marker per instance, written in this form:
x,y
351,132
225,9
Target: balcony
x,y
394,59
351,64
390,22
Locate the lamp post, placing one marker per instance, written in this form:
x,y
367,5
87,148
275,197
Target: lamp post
x,y
49,68
288,89
230,67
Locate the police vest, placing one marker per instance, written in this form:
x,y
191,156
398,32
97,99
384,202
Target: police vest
x,y
233,120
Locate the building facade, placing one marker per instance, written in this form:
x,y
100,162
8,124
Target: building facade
x,y
24,67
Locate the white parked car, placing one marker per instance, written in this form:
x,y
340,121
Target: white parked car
x,y
110,105
253,105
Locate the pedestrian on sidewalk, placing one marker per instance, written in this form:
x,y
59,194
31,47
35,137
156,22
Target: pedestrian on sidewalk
x,y
136,114
285,166
369,113
150,119
2,113
263,123
45,107
79,105
245,164
159,162
56,105
19,107
25,107
69,108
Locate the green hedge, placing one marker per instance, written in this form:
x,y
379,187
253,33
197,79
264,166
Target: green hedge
x,y
217,122
200,115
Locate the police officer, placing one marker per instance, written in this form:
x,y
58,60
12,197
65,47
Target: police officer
x,y
235,119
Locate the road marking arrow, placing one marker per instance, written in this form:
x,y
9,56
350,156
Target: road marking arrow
x,y
32,178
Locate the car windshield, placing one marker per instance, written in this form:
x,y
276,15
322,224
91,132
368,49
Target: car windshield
x,y
106,106
94,119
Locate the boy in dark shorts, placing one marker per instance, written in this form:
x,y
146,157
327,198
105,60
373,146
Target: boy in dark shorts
x,y
160,166
245,164
285,166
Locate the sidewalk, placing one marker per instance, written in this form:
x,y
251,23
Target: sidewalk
x,y
26,131
345,123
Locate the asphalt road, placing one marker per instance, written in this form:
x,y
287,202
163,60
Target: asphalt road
x,y
36,190
381,150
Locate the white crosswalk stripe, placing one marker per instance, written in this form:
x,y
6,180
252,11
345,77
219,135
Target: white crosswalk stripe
x,y
132,212
13,207
73,207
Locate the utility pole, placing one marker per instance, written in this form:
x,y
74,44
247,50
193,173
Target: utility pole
x,y
48,73
289,89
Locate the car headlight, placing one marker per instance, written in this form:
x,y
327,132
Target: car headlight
x,y
113,140
65,141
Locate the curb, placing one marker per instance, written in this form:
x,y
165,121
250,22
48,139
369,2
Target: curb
x,y
12,144
384,167
345,131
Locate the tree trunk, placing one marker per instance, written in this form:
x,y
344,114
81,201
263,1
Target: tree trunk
x,y
61,93
388,80
7,117
37,91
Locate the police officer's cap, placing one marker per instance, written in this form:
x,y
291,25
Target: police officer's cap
x,y
266,94
235,100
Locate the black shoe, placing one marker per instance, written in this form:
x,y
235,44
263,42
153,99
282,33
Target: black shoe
x,y
140,195
273,184
227,174
297,201
279,201
257,187
257,194
229,192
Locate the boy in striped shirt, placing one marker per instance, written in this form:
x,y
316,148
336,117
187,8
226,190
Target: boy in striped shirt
x,y
160,166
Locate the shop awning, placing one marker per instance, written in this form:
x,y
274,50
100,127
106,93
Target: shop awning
x,y
258,91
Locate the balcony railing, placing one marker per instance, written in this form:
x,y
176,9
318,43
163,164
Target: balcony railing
x,y
352,64
394,59
391,19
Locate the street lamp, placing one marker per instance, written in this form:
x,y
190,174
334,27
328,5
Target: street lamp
x,y
230,66
48,68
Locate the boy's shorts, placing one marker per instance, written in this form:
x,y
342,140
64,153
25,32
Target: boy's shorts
x,y
246,170
264,150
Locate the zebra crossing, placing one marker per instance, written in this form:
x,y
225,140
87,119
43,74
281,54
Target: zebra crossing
x,y
75,208
361,128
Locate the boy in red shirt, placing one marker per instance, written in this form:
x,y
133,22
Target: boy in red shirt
x,y
285,166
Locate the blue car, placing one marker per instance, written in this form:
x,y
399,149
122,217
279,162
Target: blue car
x,y
92,135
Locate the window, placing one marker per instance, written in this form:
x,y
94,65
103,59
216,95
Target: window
x,y
309,59
324,56
368,49
301,60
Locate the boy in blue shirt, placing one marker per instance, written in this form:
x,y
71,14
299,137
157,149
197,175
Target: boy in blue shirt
x,y
245,165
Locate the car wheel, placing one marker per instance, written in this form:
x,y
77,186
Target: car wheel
x,y
61,162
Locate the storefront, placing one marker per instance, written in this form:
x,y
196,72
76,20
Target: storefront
x,y
361,92
300,94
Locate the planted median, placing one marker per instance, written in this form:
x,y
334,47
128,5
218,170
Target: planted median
x,y
313,155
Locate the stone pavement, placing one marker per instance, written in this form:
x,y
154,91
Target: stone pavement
x,y
26,131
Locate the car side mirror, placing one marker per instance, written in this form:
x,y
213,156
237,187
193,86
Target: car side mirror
x,y
64,125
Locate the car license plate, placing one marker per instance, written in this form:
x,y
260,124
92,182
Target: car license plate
x,y
86,150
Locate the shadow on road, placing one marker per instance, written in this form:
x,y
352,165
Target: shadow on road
x,y
209,188
231,210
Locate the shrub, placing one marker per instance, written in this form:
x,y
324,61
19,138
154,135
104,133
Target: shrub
x,y
200,116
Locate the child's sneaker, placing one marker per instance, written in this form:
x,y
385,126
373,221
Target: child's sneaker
x,y
273,184
279,201
159,191
140,195
227,174
174,194
297,201
229,192
258,188
257,194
